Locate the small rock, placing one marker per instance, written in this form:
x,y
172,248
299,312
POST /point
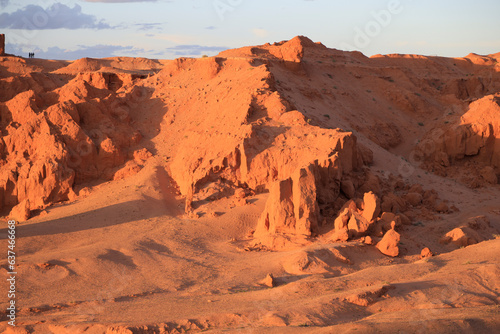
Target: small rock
x,y
269,281
388,218
404,219
240,193
442,207
416,188
426,253
141,156
348,189
212,214
368,240
414,199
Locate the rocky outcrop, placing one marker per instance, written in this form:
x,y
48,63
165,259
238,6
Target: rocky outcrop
x,y
475,135
50,145
292,206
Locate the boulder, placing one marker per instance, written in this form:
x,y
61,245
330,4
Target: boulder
x,y
347,187
416,188
415,199
358,225
368,240
269,281
461,237
389,245
371,206
393,203
426,253
404,219
442,207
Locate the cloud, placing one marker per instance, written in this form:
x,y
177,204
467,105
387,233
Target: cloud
x,y
4,3
97,51
148,26
194,50
57,16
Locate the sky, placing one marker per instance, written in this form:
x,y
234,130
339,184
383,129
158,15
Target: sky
x,y
168,29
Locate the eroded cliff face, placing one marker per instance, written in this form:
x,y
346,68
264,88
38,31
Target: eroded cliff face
x,y
471,141
67,132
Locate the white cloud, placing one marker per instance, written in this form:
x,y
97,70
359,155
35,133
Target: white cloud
x,y
57,16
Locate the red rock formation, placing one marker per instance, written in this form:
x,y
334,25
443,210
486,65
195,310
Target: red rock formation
x,y
50,141
475,135
371,206
2,44
292,207
389,245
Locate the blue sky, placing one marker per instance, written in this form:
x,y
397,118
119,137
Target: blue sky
x,y
71,29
